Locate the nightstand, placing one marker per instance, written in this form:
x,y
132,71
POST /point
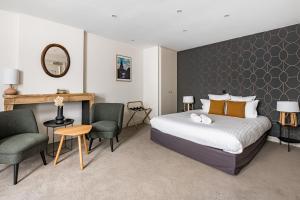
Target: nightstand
x,y
287,139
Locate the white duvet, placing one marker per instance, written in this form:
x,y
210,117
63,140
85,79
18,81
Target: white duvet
x,y
231,134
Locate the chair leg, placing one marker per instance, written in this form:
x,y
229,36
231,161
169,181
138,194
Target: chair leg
x,y
43,157
112,144
90,144
16,170
117,138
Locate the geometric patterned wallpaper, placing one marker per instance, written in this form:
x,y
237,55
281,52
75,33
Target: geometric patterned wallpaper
x,y
265,64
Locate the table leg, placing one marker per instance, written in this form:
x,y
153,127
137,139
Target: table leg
x,y
280,134
53,151
47,143
80,152
59,149
288,139
65,139
85,146
71,141
8,107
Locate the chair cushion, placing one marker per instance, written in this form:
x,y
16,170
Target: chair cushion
x,y
105,126
21,142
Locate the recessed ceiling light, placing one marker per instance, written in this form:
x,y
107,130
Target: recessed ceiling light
x,y
227,15
114,16
179,11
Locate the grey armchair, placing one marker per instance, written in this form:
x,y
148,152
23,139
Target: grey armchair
x,y
107,121
20,138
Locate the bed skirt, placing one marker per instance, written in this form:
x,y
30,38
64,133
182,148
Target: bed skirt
x,y
227,162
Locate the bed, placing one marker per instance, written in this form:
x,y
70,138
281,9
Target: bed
x,y
228,144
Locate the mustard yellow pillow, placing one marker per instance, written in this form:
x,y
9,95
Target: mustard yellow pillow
x,y
217,107
236,109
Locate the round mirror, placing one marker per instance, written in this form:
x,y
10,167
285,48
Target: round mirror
x,y
55,60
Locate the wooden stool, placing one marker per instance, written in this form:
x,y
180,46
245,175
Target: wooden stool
x,y
80,131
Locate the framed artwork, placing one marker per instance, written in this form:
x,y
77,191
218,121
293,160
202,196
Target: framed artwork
x,y
123,68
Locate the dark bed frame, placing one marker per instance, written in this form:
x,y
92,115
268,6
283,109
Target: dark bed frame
x,y
227,162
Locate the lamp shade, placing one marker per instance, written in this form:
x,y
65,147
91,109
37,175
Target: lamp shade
x,y
288,106
188,99
10,76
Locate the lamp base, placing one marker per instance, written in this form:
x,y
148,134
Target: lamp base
x,y
10,91
188,107
293,119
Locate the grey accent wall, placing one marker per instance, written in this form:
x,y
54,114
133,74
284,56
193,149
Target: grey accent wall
x,y
265,64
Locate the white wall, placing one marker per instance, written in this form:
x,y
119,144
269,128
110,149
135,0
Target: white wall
x,y
168,81
8,45
101,71
35,34
151,79
160,80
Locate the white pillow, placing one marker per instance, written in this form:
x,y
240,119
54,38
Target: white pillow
x,y
251,109
205,105
240,98
219,97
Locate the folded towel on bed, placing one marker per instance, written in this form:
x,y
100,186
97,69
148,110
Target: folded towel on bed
x,y
201,119
196,118
206,119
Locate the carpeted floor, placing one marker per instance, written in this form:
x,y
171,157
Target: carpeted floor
x,y
141,169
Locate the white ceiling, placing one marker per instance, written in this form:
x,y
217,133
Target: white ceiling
x,y
150,22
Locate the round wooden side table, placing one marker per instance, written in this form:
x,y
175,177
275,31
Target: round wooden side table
x,y
77,131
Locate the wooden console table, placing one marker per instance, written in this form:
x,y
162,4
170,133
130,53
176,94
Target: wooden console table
x,y
87,100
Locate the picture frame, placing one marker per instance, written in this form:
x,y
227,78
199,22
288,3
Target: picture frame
x,y
123,68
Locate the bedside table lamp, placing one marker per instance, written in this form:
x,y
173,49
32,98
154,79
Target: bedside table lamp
x,y
10,77
188,102
288,108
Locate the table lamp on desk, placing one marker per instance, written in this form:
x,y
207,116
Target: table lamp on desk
x,y
10,77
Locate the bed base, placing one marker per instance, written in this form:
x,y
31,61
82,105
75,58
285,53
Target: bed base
x,y
224,161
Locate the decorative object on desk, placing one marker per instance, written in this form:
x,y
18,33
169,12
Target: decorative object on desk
x,y
59,102
288,108
10,77
62,91
188,103
55,60
123,70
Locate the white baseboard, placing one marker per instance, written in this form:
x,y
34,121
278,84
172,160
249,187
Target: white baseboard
x,y
276,140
